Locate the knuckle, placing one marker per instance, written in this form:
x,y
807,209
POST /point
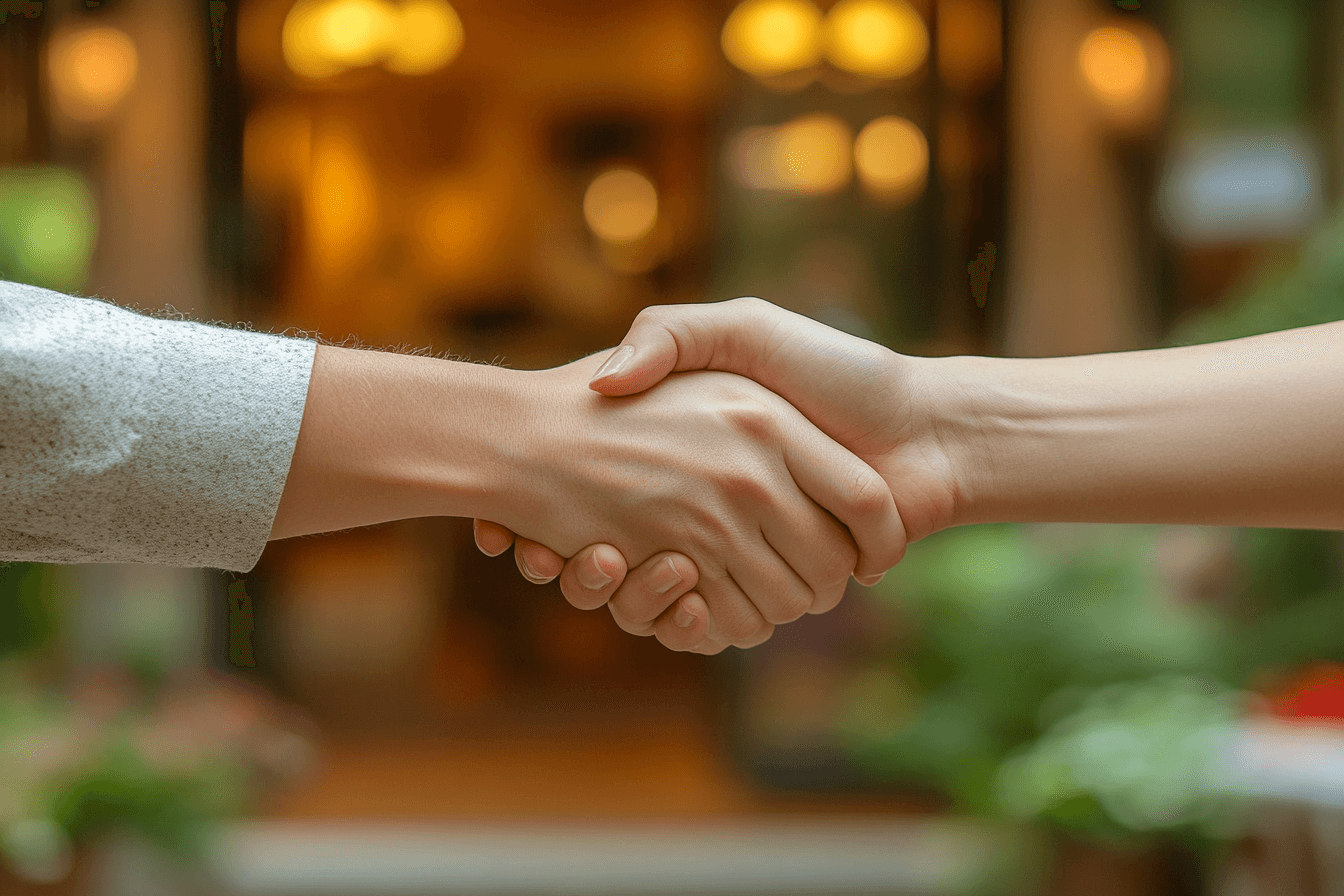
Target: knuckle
x,y
745,482
869,495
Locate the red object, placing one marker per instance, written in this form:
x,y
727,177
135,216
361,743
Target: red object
x,y
1316,694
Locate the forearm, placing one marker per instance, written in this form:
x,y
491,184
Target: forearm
x,y
387,436
1248,432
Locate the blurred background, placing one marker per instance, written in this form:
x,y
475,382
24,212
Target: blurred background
x,y
1017,709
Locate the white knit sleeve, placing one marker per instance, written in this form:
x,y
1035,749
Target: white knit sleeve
x,y
130,439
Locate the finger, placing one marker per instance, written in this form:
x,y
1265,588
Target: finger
x,y
820,551
654,587
663,339
775,589
537,562
684,626
733,619
592,576
852,491
492,538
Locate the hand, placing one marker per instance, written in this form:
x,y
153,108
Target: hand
x,y
715,465
865,396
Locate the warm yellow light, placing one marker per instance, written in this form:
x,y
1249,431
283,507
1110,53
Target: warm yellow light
x,y
1114,65
304,43
429,36
91,69
342,203
772,37
811,154
356,32
876,38
892,158
323,37
621,205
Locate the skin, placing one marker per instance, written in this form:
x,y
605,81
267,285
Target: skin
x,y
1238,433
771,514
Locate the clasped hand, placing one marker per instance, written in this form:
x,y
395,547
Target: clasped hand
x,y
733,503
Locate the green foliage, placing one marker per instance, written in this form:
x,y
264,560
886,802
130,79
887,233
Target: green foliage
x,y
27,613
1004,636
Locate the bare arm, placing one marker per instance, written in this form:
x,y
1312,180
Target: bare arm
x,y
1248,432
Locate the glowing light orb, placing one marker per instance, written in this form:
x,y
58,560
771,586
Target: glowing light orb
x,y
892,158
875,38
772,37
91,69
621,205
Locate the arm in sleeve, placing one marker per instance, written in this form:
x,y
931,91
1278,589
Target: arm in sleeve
x,y
130,439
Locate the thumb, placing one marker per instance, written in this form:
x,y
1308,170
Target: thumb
x,y
647,354
668,338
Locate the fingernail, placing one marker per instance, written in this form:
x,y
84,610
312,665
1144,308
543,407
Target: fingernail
x,y
616,363
664,577
872,580
683,617
592,577
528,572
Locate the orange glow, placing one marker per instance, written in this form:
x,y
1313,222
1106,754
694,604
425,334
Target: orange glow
x,y
1114,64
450,227
342,204
621,206
969,43
1126,68
429,36
811,154
876,38
324,37
91,69
892,158
772,37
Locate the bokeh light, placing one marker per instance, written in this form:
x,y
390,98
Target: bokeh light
x,y
1114,64
621,205
811,154
48,227
324,37
772,37
91,69
891,155
875,38
355,32
429,36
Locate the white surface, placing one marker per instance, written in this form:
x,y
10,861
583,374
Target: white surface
x,y
745,857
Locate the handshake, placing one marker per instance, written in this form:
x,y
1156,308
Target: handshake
x,y
729,466
750,491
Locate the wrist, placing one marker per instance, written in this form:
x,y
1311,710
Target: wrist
x,y
949,410
387,436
